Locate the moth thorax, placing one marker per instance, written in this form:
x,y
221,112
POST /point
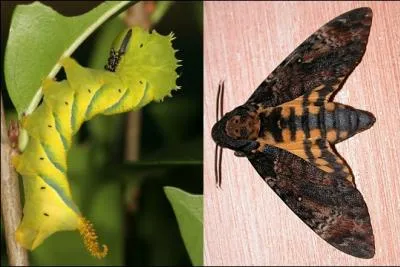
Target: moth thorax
x,y
244,127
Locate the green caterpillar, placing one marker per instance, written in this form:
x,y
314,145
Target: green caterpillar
x,y
141,68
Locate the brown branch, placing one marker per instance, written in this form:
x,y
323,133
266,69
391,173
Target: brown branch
x,y
139,15
10,199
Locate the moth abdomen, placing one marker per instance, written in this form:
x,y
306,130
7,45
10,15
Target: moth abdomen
x,y
331,121
344,121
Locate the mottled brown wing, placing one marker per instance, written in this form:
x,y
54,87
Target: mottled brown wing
x,y
327,202
326,59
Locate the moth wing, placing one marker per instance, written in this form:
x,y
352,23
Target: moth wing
x,y
325,60
327,202
320,153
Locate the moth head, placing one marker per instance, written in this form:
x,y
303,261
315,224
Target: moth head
x,y
237,128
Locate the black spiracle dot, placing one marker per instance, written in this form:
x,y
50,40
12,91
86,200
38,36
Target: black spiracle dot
x,y
49,126
119,90
140,82
66,103
89,91
46,214
43,187
41,158
141,45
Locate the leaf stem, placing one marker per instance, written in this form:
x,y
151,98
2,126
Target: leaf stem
x,y
38,96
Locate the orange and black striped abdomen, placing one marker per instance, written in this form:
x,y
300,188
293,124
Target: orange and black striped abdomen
x,y
297,123
306,131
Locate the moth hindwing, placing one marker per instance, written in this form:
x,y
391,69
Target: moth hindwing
x,y
289,126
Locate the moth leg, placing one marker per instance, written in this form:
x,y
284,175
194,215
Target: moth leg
x,y
248,148
239,154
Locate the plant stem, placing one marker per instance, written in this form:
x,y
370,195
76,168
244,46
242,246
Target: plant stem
x,y
10,199
135,16
167,163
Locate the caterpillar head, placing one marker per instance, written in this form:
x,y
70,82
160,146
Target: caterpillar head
x,y
137,55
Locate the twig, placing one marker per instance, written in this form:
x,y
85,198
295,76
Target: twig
x,y
135,15
10,199
139,14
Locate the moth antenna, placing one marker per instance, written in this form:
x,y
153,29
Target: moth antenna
x,y
89,236
222,100
216,172
218,156
220,167
217,112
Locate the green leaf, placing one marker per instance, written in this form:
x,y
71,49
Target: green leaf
x,y
188,210
38,38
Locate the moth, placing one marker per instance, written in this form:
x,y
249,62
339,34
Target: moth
x,y
141,68
288,128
